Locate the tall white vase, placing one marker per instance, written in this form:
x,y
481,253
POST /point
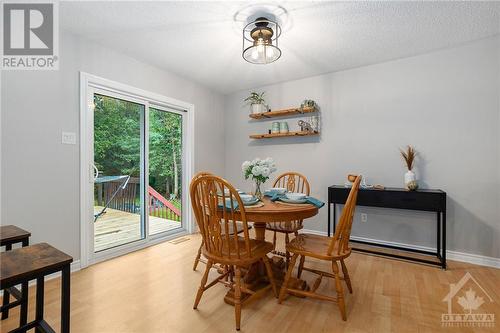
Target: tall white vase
x,y
411,180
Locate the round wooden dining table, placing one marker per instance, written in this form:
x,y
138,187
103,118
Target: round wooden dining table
x,y
268,212
276,212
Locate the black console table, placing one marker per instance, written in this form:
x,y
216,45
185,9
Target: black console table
x,y
422,200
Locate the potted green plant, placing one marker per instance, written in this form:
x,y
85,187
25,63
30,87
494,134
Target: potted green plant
x,y
256,102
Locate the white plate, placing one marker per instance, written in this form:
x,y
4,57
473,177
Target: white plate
x,y
301,201
246,197
279,190
295,196
251,203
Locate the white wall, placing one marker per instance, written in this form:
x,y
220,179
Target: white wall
x,y
40,176
444,103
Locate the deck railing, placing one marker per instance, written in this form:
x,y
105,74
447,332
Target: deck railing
x,y
161,207
126,200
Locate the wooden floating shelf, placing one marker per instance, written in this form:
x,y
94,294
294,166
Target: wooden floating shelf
x,y
282,113
282,135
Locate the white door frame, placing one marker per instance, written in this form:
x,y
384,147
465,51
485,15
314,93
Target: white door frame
x,y
88,84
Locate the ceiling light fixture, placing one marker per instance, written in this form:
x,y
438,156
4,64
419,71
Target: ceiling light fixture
x,y
260,41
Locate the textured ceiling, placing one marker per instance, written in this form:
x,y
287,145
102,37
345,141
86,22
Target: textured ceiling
x,y
202,40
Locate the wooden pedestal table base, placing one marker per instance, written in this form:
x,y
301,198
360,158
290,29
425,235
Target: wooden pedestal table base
x,y
255,277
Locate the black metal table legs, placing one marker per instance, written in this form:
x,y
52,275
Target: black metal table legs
x,y
440,242
65,299
20,296
39,324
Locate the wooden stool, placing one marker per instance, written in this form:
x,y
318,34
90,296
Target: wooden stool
x,y
22,265
10,235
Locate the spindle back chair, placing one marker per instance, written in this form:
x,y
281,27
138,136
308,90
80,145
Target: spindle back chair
x,y
216,205
332,249
292,182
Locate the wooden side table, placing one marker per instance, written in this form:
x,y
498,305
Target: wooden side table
x,y
35,262
10,235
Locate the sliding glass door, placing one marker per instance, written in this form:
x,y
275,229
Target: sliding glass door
x,y
119,167
138,162
165,170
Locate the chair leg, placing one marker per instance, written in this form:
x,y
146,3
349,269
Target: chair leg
x,y
284,286
301,266
287,254
237,298
231,274
202,284
346,275
270,275
198,256
340,290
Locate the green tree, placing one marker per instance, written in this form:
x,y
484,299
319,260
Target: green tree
x,y
165,152
117,135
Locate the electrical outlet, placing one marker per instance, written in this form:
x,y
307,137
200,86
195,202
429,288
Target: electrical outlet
x,y
68,138
364,217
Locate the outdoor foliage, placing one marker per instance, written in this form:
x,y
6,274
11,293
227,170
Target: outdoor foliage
x,y
165,154
117,146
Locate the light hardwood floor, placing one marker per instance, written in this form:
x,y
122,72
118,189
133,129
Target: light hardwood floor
x,y
153,290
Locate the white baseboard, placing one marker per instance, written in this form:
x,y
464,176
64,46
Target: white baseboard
x,y
451,255
75,266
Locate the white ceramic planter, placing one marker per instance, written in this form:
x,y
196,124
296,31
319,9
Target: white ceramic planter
x,y
257,108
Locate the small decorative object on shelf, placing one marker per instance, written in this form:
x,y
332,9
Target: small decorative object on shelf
x,y
308,103
409,155
256,102
284,127
314,121
258,170
275,127
305,126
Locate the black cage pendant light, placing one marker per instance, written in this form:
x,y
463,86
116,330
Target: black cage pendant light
x,y
260,41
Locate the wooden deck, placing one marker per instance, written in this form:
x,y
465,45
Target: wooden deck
x,y
117,227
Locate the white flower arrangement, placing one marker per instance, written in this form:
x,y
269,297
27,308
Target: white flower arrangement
x,y
258,170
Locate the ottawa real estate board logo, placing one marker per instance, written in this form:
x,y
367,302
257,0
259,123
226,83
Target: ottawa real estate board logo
x,y
30,35
467,301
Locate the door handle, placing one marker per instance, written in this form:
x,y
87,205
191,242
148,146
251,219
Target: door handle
x,y
94,172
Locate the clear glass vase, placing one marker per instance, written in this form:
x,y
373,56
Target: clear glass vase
x,y
257,191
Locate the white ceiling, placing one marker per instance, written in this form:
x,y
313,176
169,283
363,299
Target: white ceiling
x,y
202,41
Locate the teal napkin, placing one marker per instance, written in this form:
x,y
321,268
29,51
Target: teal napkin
x,y
309,200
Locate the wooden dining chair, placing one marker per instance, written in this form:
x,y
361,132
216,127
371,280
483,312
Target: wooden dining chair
x,y
293,182
216,211
239,227
335,249
198,255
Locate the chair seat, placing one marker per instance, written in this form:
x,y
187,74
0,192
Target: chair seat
x,y
288,227
315,246
258,250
